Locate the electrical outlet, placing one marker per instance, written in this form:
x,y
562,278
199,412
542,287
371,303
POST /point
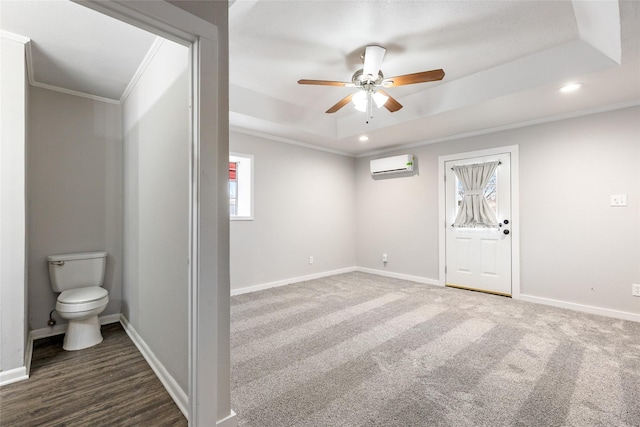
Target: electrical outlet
x,y
385,258
635,290
619,200
311,259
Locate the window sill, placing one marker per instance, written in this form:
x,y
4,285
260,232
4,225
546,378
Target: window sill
x,y
241,218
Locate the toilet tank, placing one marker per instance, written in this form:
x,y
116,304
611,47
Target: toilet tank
x,y
78,270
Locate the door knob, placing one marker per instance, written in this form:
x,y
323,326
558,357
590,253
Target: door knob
x,y
506,231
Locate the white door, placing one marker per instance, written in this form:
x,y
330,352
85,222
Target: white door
x,y
479,258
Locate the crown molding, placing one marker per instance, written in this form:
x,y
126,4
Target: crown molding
x,y
15,37
287,141
142,68
75,93
548,119
132,83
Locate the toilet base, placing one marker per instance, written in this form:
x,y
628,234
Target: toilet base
x,y
82,334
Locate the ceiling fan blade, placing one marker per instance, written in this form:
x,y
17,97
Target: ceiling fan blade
x,y
392,105
373,56
344,101
325,83
409,79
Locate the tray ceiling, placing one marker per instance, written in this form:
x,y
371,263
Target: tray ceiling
x,y
504,63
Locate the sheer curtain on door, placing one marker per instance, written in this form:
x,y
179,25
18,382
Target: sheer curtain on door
x,y
475,211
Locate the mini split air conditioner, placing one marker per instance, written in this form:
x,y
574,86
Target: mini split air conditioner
x,y
392,165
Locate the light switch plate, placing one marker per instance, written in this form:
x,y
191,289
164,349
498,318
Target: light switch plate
x,y
619,200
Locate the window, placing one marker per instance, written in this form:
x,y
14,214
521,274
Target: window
x,y
490,192
476,194
240,186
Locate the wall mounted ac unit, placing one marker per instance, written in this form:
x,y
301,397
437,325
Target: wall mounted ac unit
x,y
390,165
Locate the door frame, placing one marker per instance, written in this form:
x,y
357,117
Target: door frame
x,y
515,211
208,281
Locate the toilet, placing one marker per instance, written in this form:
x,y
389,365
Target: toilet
x,y
79,277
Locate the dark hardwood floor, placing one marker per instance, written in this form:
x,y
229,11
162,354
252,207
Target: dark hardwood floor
x,y
107,385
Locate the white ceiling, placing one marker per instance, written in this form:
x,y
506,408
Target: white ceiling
x,y
75,48
504,63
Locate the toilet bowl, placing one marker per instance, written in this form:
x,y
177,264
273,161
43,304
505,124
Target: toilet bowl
x,y
78,277
81,307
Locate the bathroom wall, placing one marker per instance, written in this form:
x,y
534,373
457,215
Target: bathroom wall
x,y
156,208
74,175
13,137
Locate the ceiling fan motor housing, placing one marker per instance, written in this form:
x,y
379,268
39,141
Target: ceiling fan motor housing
x,y
359,79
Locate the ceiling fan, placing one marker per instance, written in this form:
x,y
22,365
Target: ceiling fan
x,y
369,79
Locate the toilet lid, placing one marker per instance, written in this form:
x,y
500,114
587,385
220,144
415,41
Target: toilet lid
x,y
81,295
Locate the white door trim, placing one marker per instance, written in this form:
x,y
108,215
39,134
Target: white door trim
x,y
515,212
206,223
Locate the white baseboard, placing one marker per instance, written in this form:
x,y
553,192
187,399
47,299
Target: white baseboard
x,y
170,384
28,354
624,315
110,318
290,281
22,373
13,376
60,328
418,279
424,280
230,421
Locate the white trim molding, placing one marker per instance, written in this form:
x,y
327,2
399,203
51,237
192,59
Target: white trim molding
x,y
72,92
22,373
15,37
290,281
417,279
543,120
616,314
208,351
28,354
178,395
239,129
61,328
151,53
229,421
13,376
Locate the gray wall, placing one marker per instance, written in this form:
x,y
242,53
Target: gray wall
x,y
304,205
75,190
574,246
156,208
13,285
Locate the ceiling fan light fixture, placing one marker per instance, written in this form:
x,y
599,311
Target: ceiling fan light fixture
x,y
380,99
360,101
363,79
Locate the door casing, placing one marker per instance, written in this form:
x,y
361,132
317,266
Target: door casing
x,y
208,280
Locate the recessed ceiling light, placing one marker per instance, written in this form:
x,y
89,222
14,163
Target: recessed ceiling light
x,y
363,138
570,87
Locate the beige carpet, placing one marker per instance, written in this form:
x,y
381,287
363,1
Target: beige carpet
x,y
362,350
